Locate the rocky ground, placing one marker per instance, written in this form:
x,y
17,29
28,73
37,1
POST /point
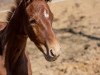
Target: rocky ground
x,y
77,26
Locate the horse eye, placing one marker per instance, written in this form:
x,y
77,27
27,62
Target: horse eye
x,y
32,21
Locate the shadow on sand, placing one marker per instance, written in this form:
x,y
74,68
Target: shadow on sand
x,y
92,37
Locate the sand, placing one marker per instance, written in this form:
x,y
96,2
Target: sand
x,y
77,27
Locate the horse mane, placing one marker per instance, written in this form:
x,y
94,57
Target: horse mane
x,y
9,15
13,8
15,34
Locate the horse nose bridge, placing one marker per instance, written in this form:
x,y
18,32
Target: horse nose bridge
x,y
53,51
50,36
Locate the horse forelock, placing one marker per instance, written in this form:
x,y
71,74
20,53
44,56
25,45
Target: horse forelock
x,y
17,3
13,8
10,13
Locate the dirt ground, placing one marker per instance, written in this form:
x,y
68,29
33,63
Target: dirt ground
x,y
77,26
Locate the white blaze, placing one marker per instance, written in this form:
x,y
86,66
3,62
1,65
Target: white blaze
x,y
46,14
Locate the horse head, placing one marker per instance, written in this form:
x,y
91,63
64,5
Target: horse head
x,y
40,28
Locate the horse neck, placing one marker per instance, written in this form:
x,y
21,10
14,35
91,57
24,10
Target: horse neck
x,y
15,39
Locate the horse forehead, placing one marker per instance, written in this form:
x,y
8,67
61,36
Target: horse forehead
x,y
45,13
43,10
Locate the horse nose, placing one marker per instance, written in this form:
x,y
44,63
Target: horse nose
x,y
53,53
55,50
51,56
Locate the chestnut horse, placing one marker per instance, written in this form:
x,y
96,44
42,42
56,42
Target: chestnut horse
x,y
33,19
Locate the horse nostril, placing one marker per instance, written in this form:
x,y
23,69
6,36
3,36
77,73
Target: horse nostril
x,y
52,53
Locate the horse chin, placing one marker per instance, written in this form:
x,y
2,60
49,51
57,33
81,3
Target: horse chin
x,y
51,59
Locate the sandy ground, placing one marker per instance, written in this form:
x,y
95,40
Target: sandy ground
x,y
77,26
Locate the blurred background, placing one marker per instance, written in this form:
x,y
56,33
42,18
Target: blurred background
x,y
77,26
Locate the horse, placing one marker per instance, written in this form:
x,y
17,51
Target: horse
x,y
33,19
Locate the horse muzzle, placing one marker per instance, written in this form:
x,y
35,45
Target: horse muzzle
x,y
51,56
52,51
